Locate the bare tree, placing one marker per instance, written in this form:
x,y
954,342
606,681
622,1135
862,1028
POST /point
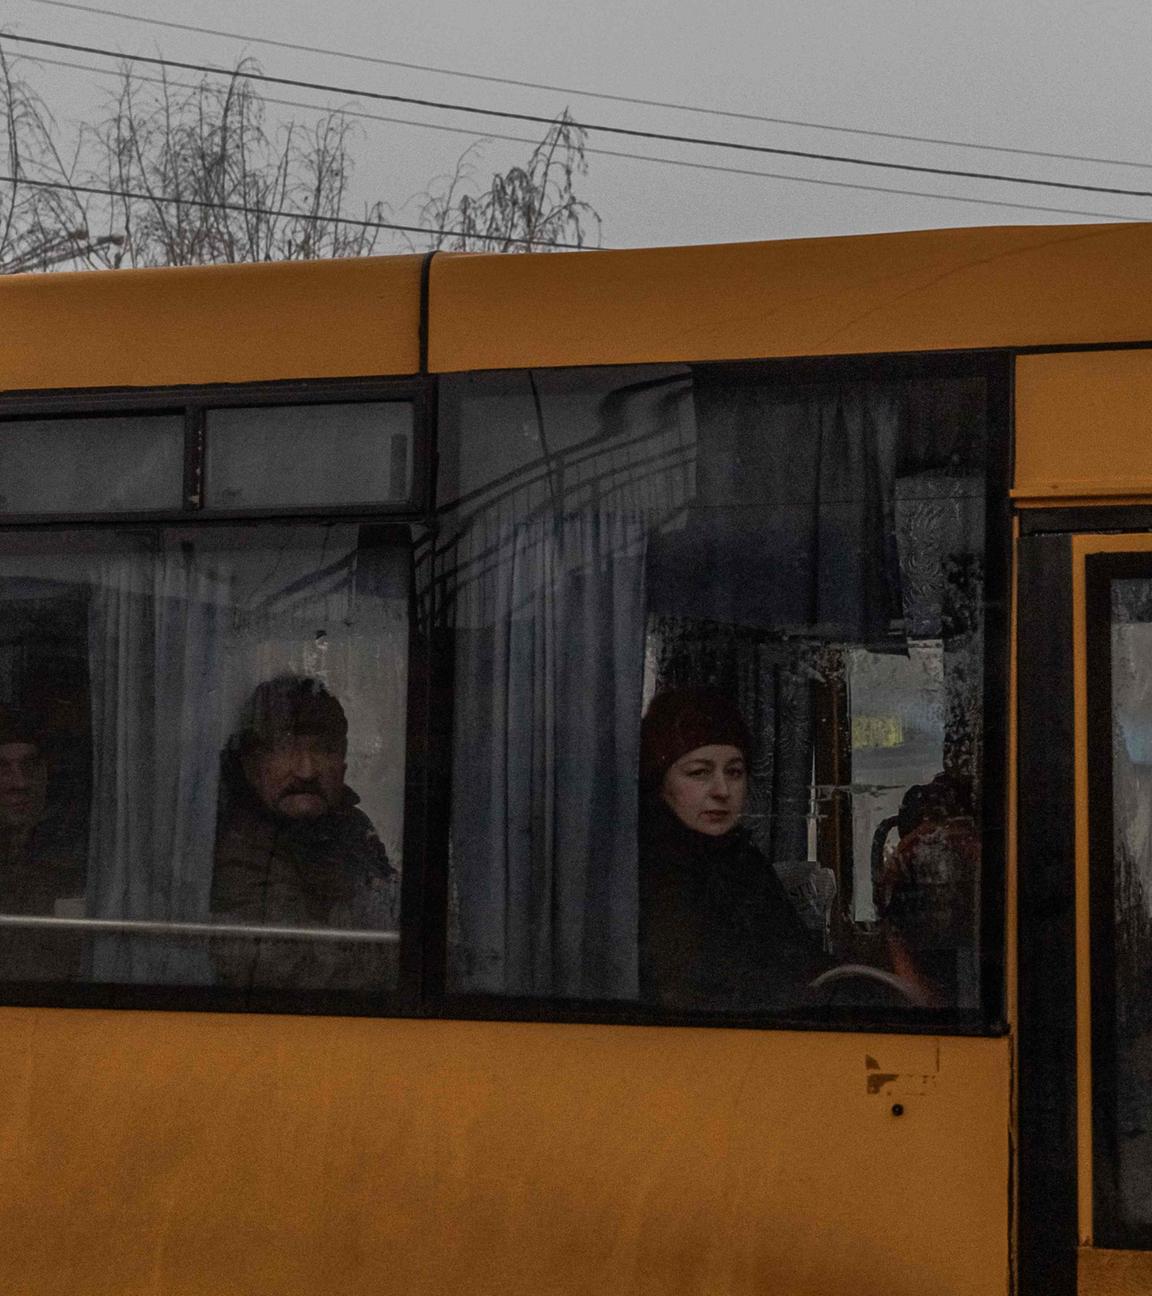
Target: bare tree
x,y
525,207
193,174
196,177
43,219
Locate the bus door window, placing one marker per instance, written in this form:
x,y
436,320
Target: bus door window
x,y
1120,823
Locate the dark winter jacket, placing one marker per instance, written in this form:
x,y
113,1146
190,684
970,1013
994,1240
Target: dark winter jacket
x,y
43,874
329,872
717,930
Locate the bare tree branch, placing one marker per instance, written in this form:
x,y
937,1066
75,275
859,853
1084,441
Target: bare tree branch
x,y
534,205
195,175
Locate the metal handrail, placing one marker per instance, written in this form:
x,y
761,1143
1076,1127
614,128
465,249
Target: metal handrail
x,y
150,927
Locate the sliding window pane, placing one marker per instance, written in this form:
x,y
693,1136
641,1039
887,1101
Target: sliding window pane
x,y
202,748
114,464
305,455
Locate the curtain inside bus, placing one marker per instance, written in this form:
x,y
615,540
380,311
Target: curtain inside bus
x,y
174,628
608,535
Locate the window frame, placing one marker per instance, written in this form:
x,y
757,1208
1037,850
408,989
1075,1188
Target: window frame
x,y
422,989
990,1019
193,402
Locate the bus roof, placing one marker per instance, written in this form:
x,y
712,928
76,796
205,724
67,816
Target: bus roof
x,y
929,290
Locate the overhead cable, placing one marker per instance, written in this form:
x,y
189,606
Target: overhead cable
x,y
581,93
287,213
359,114
604,128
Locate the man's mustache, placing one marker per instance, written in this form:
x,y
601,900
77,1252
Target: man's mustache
x,y
303,787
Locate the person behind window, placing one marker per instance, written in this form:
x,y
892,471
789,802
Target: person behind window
x,y
41,857
928,890
293,849
716,928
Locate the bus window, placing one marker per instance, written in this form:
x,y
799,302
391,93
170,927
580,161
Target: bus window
x,y
111,464
809,555
307,455
202,741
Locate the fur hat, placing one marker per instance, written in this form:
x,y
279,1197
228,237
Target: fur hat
x,y
290,706
683,719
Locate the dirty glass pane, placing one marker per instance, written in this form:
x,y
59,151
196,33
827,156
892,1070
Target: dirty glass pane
x,y
202,741
113,464
635,565
309,455
1126,1102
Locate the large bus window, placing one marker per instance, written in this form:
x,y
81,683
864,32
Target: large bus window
x,y
202,743
786,579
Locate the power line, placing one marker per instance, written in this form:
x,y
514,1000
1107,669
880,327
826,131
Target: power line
x,y
586,94
246,210
640,157
536,119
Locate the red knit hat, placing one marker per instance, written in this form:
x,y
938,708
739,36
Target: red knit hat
x,y
683,719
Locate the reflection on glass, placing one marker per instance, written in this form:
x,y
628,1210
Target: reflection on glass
x,y
115,464
812,553
204,726
896,702
300,455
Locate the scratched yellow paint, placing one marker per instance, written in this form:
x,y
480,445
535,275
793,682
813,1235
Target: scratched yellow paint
x,y
1084,427
228,1154
1114,1273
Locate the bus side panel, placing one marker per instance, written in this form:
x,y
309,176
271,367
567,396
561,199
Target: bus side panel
x,y
182,1153
249,323
1083,426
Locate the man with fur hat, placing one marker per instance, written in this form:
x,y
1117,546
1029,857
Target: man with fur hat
x,y
293,849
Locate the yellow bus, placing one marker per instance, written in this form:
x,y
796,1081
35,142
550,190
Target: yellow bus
x,y
620,772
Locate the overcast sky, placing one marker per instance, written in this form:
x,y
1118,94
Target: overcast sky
x,y
1060,76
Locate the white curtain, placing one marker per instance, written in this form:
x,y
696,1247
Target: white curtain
x,y
549,671
182,627
156,626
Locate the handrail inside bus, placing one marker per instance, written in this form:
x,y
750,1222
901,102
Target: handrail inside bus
x,y
150,927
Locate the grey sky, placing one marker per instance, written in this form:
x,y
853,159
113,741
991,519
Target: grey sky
x,y
1056,75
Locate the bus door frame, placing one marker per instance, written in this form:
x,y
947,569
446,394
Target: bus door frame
x,y
1056,1255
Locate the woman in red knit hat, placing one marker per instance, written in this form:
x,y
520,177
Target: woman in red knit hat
x,y
716,928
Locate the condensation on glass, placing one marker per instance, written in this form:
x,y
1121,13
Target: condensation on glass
x,y
1124,1093
103,464
202,742
812,553
298,456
